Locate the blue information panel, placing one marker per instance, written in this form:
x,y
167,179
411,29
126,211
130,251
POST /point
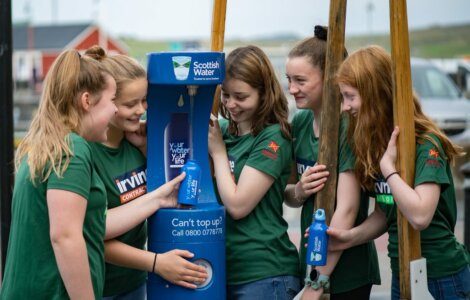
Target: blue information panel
x,y
180,96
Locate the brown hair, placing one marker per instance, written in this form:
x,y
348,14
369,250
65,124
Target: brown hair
x,y
369,70
314,48
121,67
251,65
46,144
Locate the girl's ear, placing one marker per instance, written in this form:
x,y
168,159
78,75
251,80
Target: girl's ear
x,y
85,100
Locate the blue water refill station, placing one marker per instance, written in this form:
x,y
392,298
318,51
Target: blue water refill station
x,y
180,95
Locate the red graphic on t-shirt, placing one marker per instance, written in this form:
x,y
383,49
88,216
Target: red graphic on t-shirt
x,y
274,146
269,154
432,160
433,153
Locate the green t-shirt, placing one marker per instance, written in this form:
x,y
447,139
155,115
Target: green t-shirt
x,y
123,171
444,254
358,265
258,245
31,271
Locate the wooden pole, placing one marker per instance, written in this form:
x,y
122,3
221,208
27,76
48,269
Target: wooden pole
x,y
403,114
217,39
331,106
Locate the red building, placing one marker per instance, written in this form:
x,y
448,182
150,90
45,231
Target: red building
x,y
36,47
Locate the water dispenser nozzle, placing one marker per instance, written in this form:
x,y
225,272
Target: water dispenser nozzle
x,y
192,90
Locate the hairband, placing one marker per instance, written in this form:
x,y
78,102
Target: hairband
x,y
320,32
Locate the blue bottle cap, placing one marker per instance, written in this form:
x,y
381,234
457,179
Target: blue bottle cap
x,y
320,215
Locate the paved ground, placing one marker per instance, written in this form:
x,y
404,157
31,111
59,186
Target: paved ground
x,y
379,292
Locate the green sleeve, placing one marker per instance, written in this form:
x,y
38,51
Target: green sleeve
x,y
346,158
430,163
223,124
271,152
77,177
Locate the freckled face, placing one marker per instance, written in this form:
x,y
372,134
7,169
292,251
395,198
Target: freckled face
x,y
351,99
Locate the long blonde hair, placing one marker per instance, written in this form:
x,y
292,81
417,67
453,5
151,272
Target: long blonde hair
x,y
251,65
46,145
369,70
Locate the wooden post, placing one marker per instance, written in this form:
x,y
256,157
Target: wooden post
x,y
331,106
217,39
408,238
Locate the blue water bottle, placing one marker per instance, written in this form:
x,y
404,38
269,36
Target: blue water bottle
x,y
188,193
317,248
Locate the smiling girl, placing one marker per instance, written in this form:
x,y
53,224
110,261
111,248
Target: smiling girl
x,y
365,81
55,249
252,152
122,167
305,70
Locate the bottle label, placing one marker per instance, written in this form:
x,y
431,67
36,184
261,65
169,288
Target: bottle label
x,y
192,187
317,249
178,153
315,255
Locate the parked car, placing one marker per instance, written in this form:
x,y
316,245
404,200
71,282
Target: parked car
x,y
441,99
444,103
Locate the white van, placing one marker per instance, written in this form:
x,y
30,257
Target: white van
x,y
441,99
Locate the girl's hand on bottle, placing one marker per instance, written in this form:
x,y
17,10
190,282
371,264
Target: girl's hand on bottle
x,y
387,162
216,142
340,239
138,138
312,181
167,194
174,267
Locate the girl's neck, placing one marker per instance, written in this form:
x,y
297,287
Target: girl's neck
x,y
115,137
244,128
316,122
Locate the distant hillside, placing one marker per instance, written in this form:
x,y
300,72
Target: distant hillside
x,y
140,48
434,42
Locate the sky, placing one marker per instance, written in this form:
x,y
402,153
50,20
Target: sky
x,y
245,19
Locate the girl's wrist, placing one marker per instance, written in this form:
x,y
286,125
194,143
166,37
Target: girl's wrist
x,y
219,155
156,200
390,175
298,195
154,263
387,170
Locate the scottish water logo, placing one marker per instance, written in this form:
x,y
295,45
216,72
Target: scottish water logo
x,y
205,68
181,65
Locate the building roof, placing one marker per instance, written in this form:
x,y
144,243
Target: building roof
x,y
46,37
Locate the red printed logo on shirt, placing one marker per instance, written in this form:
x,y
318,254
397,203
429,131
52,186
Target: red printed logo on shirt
x,y
432,160
433,153
271,151
273,146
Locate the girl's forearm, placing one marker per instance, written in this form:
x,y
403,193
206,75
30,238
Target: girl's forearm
x,y
225,184
373,227
417,205
123,218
